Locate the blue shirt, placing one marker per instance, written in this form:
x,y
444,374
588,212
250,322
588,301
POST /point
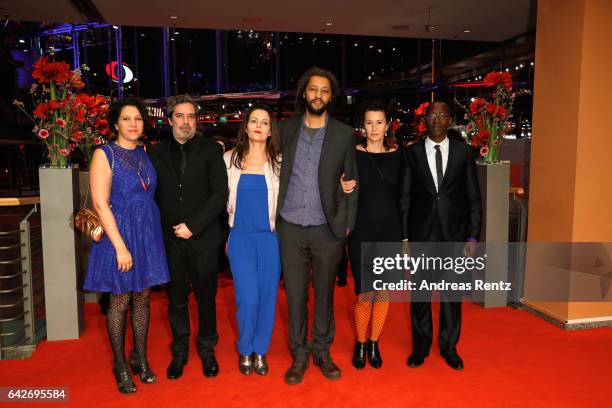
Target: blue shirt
x,y
302,204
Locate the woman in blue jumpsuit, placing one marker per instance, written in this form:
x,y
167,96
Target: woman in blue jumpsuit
x,y
253,167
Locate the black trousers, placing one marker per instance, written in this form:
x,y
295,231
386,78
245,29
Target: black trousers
x,y
196,270
304,249
343,266
449,328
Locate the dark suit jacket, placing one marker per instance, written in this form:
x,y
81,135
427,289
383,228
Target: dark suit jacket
x,y
337,157
203,195
457,205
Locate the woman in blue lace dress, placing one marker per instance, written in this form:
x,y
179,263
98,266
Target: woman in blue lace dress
x,y
131,256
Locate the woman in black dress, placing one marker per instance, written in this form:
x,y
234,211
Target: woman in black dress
x,y
380,168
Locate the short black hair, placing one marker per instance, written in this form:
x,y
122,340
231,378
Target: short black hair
x,y
117,105
300,102
437,101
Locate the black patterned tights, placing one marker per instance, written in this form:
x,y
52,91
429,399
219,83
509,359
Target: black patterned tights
x,y
116,319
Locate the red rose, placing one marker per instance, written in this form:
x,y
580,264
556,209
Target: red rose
x,y
481,139
64,152
484,151
39,69
491,108
86,100
41,110
59,72
79,115
60,122
492,79
54,104
45,71
101,123
97,140
77,136
502,112
477,105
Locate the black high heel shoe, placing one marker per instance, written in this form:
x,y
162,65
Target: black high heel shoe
x,y
374,356
260,364
359,355
140,367
123,377
245,364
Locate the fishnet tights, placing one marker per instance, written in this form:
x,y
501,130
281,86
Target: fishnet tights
x,y
116,319
374,305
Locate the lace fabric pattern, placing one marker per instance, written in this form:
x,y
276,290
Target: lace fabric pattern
x,y
137,216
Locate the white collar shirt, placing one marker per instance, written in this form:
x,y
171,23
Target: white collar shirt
x,y
430,151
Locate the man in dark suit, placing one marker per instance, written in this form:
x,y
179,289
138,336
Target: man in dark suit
x,y
314,217
191,194
443,205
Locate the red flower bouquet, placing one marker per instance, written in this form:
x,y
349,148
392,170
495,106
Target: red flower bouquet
x,y
488,118
418,125
63,119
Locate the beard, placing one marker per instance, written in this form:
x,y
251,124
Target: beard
x,y
314,111
184,133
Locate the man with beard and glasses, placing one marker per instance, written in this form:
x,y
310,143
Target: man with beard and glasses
x,y
191,194
314,216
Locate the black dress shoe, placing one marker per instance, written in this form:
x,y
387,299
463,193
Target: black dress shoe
x,y
124,381
359,355
454,361
175,369
295,373
416,360
140,367
374,356
245,364
210,367
328,368
260,364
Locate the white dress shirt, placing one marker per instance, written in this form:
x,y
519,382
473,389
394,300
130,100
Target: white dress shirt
x,y
430,150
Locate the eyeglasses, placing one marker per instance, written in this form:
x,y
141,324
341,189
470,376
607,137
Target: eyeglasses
x,y
439,115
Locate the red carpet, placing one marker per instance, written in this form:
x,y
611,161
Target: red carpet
x,y
512,359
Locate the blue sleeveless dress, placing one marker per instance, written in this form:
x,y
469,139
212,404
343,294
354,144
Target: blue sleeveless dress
x,y
138,220
255,261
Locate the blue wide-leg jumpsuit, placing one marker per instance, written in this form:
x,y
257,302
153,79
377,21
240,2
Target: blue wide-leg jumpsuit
x,y
255,261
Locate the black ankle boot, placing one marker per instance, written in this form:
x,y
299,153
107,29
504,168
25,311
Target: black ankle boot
x,y
123,377
359,355
374,356
140,366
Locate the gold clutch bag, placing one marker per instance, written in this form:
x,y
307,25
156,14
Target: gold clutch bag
x,y
88,223
86,220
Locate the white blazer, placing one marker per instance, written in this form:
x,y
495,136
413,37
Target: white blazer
x,y
233,176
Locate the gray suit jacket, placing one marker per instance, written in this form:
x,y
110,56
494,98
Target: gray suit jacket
x,y
337,157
